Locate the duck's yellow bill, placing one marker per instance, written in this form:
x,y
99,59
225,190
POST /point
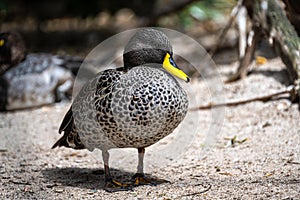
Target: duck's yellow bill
x,y
171,67
1,42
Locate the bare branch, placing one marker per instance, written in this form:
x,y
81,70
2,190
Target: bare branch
x,y
289,90
224,31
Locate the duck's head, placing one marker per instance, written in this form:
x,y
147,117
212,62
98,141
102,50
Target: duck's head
x,y
12,48
151,46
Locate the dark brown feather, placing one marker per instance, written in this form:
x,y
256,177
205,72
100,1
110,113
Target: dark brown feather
x,y
67,121
70,135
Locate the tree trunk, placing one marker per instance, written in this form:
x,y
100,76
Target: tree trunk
x,y
285,39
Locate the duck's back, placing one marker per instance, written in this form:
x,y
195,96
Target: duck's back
x,y
133,108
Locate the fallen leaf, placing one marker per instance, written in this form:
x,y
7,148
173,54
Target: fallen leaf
x,y
260,60
268,174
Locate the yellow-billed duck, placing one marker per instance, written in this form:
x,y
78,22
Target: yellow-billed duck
x,y
133,106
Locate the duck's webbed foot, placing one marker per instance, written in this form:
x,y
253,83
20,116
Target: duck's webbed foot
x,y
140,179
115,186
112,185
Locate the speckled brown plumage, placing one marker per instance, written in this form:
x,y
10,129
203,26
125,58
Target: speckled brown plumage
x,y
128,109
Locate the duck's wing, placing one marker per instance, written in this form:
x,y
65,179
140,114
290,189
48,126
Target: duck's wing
x,y
37,63
94,91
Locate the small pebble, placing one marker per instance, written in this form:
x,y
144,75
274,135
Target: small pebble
x,y
58,190
284,106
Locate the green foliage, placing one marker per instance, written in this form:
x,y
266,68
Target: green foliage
x,y
3,6
3,10
205,10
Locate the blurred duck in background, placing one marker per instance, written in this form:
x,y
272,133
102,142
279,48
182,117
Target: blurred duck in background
x,y
34,79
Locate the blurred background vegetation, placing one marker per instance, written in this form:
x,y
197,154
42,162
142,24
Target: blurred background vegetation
x,y
76,26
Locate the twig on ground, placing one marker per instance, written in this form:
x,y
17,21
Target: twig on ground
x,y
289,90
293,162
196,193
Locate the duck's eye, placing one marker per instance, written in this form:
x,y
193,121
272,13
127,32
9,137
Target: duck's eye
x,y
1,42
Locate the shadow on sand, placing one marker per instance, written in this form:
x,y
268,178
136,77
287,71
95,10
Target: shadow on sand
x,y
84,177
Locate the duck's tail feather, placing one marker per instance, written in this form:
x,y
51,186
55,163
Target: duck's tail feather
x,y
70,138
61,142
67,121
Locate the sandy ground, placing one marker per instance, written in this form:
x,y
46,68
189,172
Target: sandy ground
x,y
263,163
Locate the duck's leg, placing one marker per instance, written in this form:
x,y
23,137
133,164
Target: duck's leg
x,y
110,184
139,178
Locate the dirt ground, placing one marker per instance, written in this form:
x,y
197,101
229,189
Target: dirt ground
x,y
263,162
